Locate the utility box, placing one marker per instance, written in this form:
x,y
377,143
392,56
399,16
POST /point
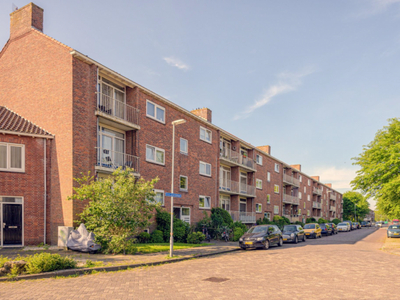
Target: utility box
x,y
63,234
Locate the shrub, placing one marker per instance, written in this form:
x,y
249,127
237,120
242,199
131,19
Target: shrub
x,y
156,237
321,221
3,259
195,238
47,262
120,244
181,228
281,221
299,223
237,233
144,237
336,221
311,220
225,216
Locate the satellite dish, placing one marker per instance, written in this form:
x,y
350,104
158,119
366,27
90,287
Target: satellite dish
x,y
14,7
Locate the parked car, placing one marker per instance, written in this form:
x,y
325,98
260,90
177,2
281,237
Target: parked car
x,y
313,230
393,231
363,224
344,226
325,229
261,236
378,224
334,227
395,222
357,225
293,233
369,224
350,224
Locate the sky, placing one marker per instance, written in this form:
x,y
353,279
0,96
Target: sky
x,y
315,80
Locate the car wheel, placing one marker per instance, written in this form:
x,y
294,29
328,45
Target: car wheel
x,y
304,238
296,240
266,245
280,242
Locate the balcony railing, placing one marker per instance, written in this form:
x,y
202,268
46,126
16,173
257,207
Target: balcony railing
x,y
292,218
237,158
246,189
332,196
229,186
244,217
332,208
113,160
317,191
316,205
117,109
291,199
291,180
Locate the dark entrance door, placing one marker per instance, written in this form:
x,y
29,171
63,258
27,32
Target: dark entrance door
x,y
12,224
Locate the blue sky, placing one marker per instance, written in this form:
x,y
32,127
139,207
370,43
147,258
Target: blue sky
x,y
313,79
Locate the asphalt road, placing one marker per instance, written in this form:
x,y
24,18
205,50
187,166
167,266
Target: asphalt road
x,y
344,266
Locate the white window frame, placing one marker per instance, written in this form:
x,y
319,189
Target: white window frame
x,y
258,208
259,184
155,155
276,188
276,210
309,182
205,140
163,198
304,205
308,213
299,195
276,168
308,198
8,158
155,112
259,159
305,190
204,197
204,163
180,146
268,199
300,178
268,176
225,200
187,183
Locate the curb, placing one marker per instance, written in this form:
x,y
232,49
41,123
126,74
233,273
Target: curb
x,y
107,269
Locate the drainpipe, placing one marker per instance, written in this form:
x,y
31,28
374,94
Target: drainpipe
x,y
45,189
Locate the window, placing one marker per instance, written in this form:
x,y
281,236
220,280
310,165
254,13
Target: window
x,y
155,155
276,209
205,135
258,207
300,178
159,197
276,189
183,183
205,169
277,168
110,98
204,202
269,176
259,159
308,213
309,182
225,202
299,212
259,184
12,157
111,148
304,205
267,215
269,199
308,197
305,190
184,146
299,195
155,111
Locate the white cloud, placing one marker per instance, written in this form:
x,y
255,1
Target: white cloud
x,y
175,62
374,7
339,177
286,82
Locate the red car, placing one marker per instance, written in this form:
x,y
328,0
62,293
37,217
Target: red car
x,y
396,222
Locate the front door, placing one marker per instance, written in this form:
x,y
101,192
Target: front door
x,y
12,224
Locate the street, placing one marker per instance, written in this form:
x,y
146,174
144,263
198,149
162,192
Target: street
x,y
348,265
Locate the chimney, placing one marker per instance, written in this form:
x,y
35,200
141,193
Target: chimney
x,y
204,113
266,148
297,167
329,184
315,177
25,18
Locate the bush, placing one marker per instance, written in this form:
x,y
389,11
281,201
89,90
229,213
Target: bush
x,y
3,259
120,244
46,262
336,221
237,233
195,238
225,216
156,237
144,237
321,221
281,221
181,228
311,220
299,223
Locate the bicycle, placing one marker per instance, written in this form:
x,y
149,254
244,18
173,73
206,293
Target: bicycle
x,y
225,234
206,234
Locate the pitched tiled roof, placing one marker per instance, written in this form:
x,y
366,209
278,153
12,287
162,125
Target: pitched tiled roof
x,y
11,121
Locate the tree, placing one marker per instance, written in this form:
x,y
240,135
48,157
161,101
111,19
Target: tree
x,y
354,203
119,208
379,176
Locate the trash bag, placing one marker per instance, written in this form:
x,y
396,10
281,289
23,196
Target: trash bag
x,y
83,241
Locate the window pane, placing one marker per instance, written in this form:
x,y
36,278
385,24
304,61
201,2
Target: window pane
x,y
201,202
150,109
208,169
183,183
185,211
150,153
184,146
3,156
160,114
160,156
208,136
16,157
159,197
202,168
207,202
202,134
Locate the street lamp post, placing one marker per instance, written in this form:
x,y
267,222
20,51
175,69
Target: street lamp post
x,y
171,238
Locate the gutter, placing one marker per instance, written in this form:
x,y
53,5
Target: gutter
x,y
44,136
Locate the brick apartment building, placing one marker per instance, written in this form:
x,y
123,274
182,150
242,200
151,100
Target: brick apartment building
x,y
101,120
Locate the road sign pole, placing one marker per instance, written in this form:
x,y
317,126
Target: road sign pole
x,y
171,238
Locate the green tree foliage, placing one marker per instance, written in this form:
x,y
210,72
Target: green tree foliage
x,y
336,221
223,214
181,228
119,208
311,220
350,200
379,174
322,221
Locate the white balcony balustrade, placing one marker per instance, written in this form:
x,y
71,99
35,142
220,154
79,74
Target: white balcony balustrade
x,y
317,191
316,205
332,196
244,217
236,158
291,199
246,189
112,160
332,208
229,186
291,180
117,109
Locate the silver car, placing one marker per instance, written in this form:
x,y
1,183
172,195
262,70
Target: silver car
x,y
343,227
393,231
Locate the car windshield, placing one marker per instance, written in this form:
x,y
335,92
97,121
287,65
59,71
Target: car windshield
x,y
322,225
394,227
289,228
342,224
258,229
309,226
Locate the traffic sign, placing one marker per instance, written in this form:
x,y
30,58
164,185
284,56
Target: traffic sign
x,y
173,195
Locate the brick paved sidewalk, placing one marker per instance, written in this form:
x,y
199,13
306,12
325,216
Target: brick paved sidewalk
x,y
391,245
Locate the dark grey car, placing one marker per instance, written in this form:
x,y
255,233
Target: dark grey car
x,y
261,236
293,234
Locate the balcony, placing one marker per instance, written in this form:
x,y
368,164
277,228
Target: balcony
x,y
290,180
291,199
316,205
114,111
332,196
244,217
108,161
332,208
233,158
317,191
292,218
234,188
247,190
